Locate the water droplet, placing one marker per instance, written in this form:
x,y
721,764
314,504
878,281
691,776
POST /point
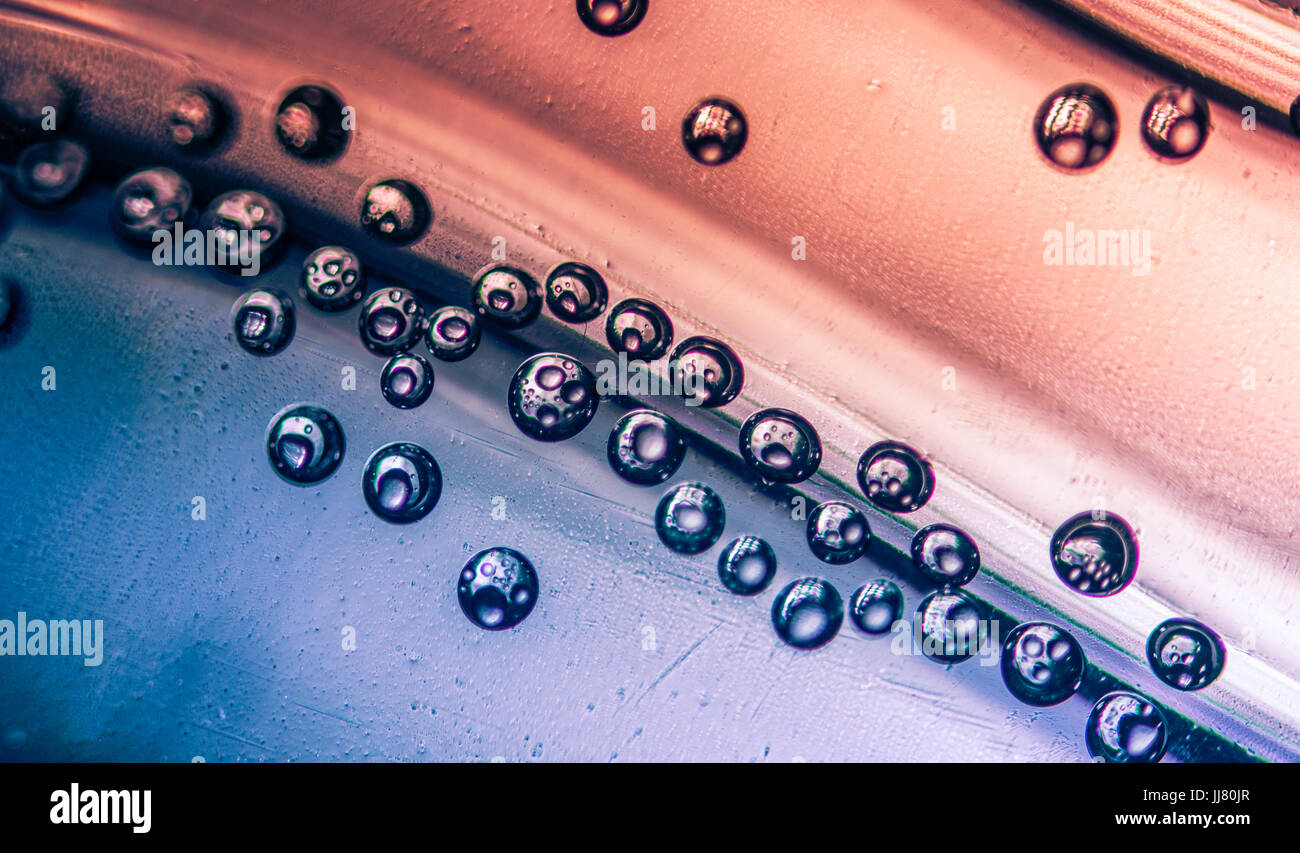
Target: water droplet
x,y
196,120
576,293
497,588
245,222
838,532
780,446
453,333
391,321
401,482
714,131
1042,664
1125,728
1185,654
305,444
147,201
48,174
1095,553
747,565
1076,126
396,212
690,518
507,295
952,626
639,328
333,278
895,477
406,380
876,606
611,17
552,396
709,372
646,447
1176,122
309,123
808,613
945,555
263,321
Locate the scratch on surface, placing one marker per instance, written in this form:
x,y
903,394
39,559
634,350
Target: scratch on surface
x,y
328,714
489,445
770,687
680,659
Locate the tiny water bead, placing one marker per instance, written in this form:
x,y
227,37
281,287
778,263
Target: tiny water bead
x,y
391,321
453,333
690,518
1042,664
49,174
310,123
639,328
1185,654
838,532
406,380
1095,553
148,201
401,482
552,396
196,120
953,626
709,372
612,17
1176,122
396,211
507,295
1125,728
747,565
646,447
576,293
264,321
876,607
246,225
895,477
305,444
714,131
333,279
497,588
1076,126
780,446
945,555
808,613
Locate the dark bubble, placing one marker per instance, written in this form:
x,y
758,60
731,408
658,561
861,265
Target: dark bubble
x,y
1042,664
945,555
497,588
838,532
953,626
453,333
690,518
895,477
646,447
248,219
780,446
709,373
401,482
263,321
808,613
1185,654
333,278
1176,122
576,293
1076,126
552,396
148,201
612,17
747,565
507,295
391,321
639,328
305,444
1125,728
876,607
309,123
48,174
196,120
406,380
1095,553
396,211
714,131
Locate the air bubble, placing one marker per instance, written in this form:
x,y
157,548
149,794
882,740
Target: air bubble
x,y
396,211
838,532
453,333
612,17
1076,126
690,518
263,321
709,372
507,295
639,328
401,482
333,278
808,613
1042,664
552,396
780,446
497,588
309,123
895,477
576,293
747,565
406,380
196,120
1185,654
48,174
945,555
1095,553
953,626
1176,122
305,444
244,221
1125,728
148,201
714,131
876,607
646,447
391,321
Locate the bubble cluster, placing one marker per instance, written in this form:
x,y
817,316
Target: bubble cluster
x,y
148,201
453,333
196,120
1076,126
714,131
808,613
1042,664
895,477
263,321
305,444
709,372
1176,122
945,555
838,532
333,278
310,123
876,607
401,482
391,321
1125,728
953,626
497,588
780,446
690,518
576,293
552,396
1185,654
747,565
406,380
507,295
639,328
611,17
646,447
245,222
48,174
1095,553
396,212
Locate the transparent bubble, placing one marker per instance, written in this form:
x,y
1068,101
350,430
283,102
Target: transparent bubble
x,y
1125,728
876,607
895,477
780,446
639,328
612,17
391,321
1042,664
552,396
1185,654
396,211
953,626
147,201
576,293
747,565
709,371
838,532
945,555
690,518
245,222
406,380
497,588
305,444
1176,122
1095,553
48,174
333,278
263,321
808,613
401,482
452,333
714,131
507,295
309,123
1076,126
646,447
196,120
